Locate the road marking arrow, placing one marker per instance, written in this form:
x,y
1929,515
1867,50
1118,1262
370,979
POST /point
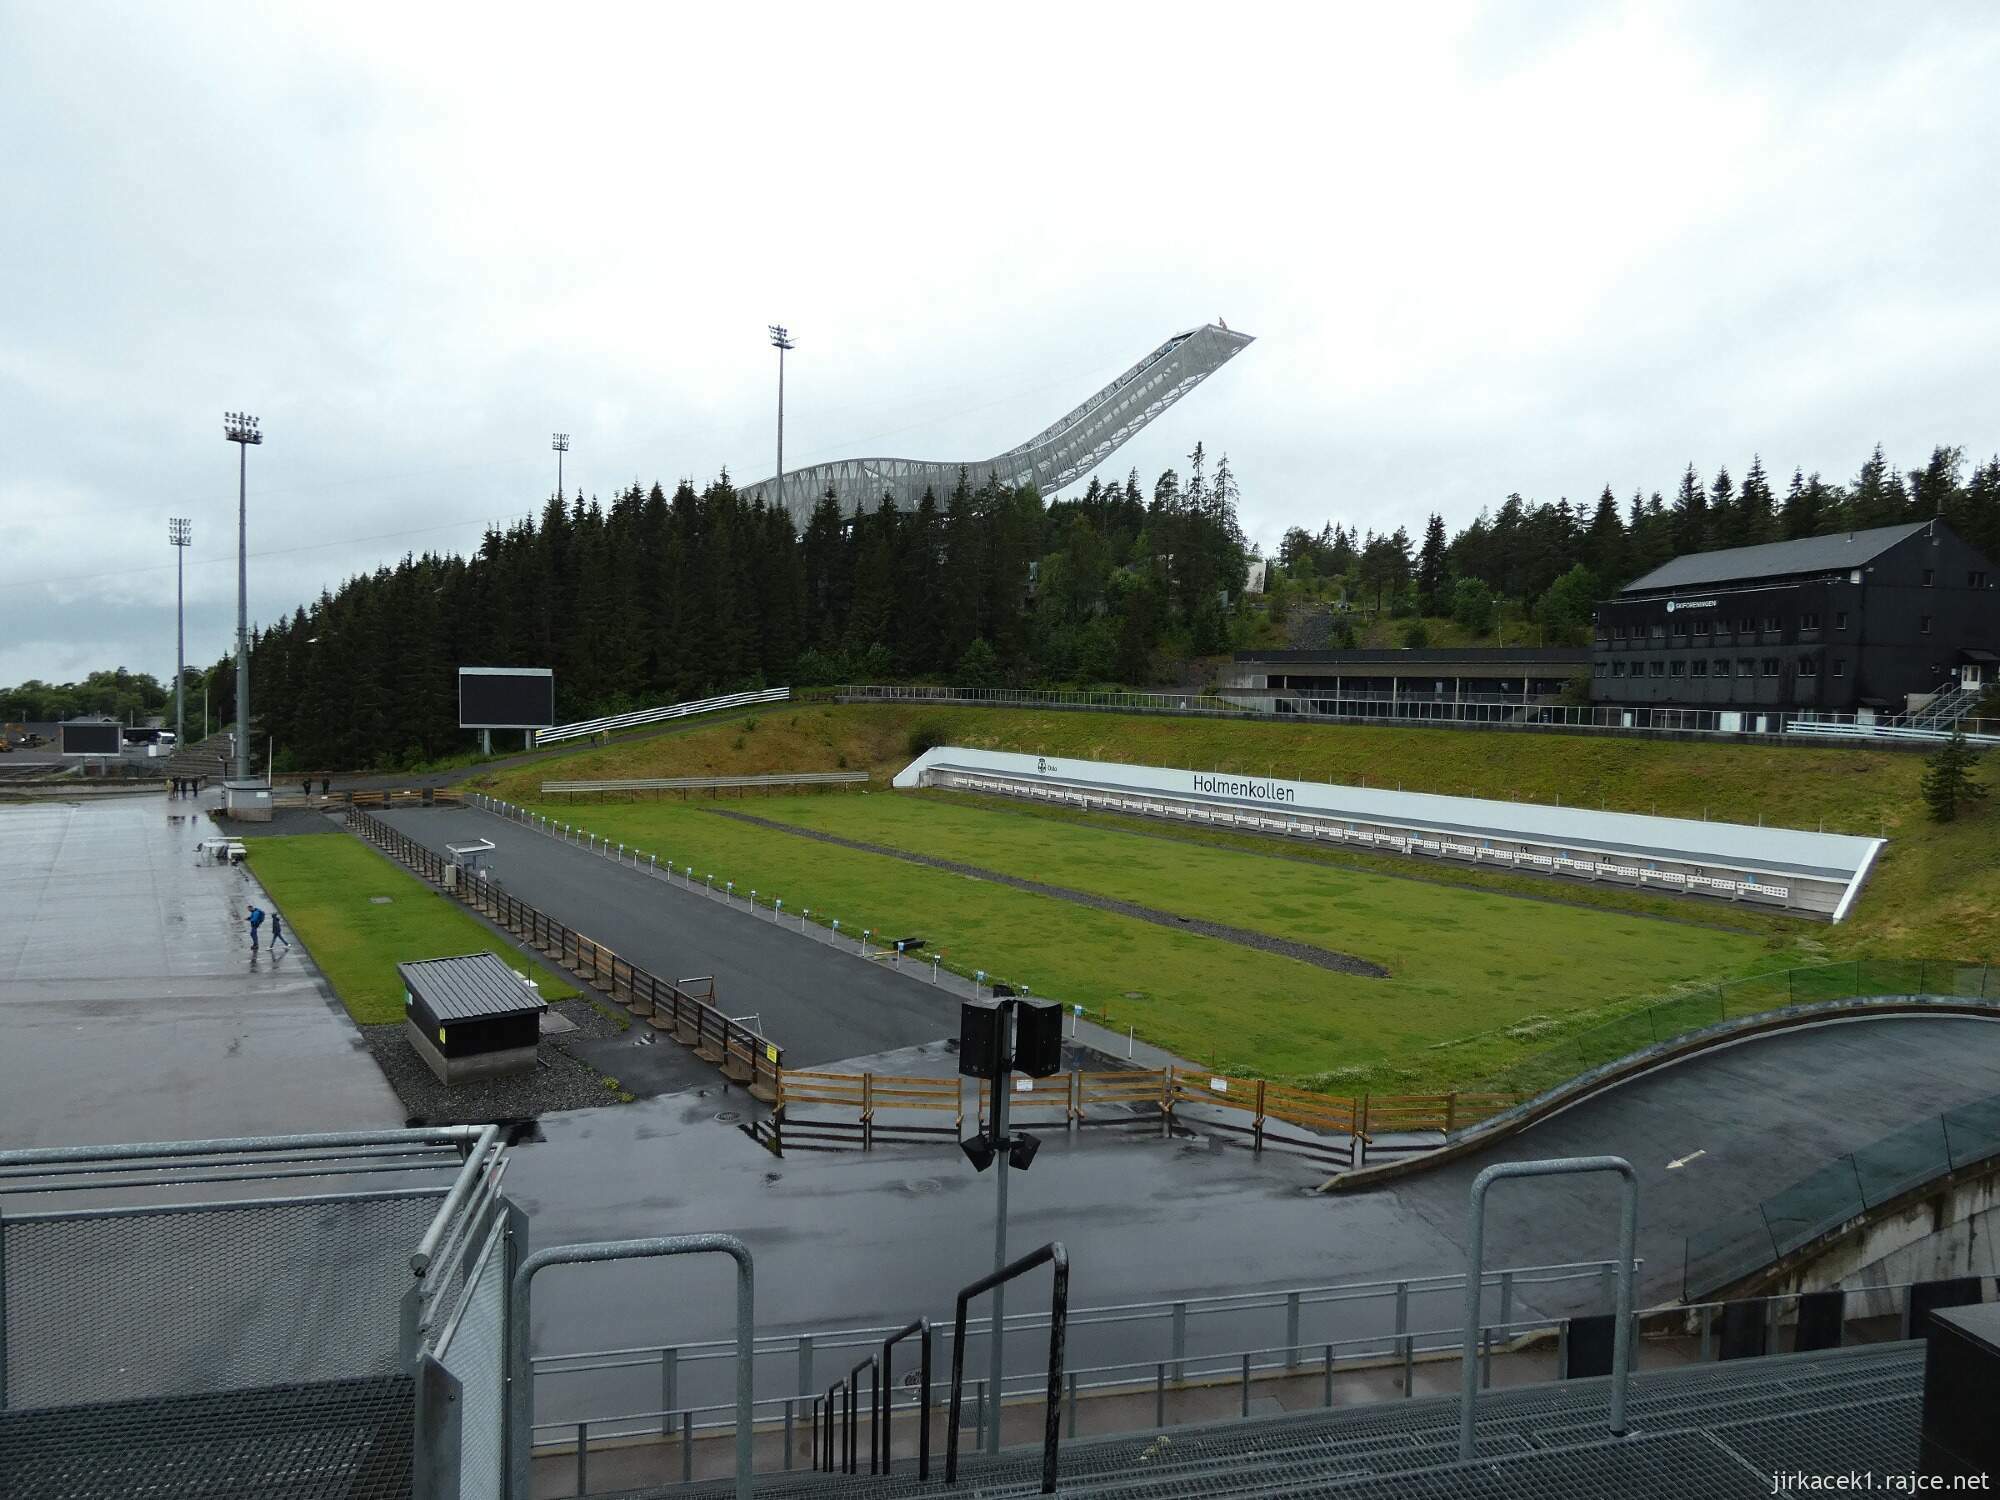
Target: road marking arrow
x,y
1681,1161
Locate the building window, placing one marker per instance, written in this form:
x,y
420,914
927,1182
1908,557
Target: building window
x,y
1930,577
1701,624
1770,666
1809,621
1923,625
1678,669
1659,633
1597,670
1839,667
1808,667
1722,666
1745,667
1976,579
1656,668
1618,669
1617,632
1698,667
1840,619
1743,626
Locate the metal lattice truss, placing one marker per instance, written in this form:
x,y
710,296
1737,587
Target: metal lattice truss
x,y
1059,455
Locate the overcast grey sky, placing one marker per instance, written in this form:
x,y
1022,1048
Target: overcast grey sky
x,y
1530,247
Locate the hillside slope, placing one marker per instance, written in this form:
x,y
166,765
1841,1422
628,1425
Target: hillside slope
x,y
1936,891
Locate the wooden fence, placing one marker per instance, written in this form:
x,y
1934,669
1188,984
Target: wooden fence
x,y
742,1055
1262,1113
411,796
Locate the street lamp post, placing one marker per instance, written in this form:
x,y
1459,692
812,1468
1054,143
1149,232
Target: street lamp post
x,y
180,532
240,428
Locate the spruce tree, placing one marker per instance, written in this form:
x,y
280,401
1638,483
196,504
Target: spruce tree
x,y
1431,567
1948,785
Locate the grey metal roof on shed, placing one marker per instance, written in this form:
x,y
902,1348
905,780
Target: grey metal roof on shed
x,y
1809,554
476,987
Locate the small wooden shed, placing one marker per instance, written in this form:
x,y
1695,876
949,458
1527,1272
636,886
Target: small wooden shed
x,y
470,1017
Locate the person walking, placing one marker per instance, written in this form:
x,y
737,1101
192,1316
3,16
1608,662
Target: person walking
x,y
325,785
278,932
256,921
306,786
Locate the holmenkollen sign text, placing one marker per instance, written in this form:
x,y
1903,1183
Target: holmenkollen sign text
x,y
1229,786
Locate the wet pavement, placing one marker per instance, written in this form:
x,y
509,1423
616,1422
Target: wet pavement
x,y
132,1012
854,1240
819,1005
130,1004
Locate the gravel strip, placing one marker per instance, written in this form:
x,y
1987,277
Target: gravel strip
x,y
563,1081
1324,958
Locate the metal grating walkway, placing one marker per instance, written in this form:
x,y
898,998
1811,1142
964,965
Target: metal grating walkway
x,y
340,1439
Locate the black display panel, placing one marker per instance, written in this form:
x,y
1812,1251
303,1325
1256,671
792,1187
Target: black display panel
x,y
92,739
506,698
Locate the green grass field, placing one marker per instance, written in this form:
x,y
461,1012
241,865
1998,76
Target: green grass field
x,y
1485,968
1476,978
325,885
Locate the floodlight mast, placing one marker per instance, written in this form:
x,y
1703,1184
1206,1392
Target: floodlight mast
x,y
240,428
781,340
180,532
559,442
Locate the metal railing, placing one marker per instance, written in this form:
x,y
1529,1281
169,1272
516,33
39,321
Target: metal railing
x,y
685,784
1051,1254
1791,1322
1846,1189
1174,1327
1771,722
743,1055
1676,1015
637,717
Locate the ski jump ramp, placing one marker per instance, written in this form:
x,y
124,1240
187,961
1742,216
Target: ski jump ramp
x,y
1058,455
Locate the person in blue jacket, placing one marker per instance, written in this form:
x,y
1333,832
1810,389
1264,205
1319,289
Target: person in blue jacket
x,y
256,921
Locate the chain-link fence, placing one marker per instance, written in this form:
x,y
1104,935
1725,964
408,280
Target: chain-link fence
x,y
1663,1020
236,1336
473,1348
1844,1189
108,1305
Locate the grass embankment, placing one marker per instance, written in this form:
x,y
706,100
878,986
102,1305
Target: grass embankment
x,y
1935,891
1486,969
325,885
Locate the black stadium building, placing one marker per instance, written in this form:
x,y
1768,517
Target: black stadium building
x,y
1855,622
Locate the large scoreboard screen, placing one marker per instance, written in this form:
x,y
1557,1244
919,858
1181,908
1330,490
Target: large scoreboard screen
x,y
92,737
506,698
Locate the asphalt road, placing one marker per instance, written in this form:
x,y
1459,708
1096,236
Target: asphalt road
x,y
818,1004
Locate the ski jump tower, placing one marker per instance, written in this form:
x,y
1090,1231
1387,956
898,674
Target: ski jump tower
x,y
1058,455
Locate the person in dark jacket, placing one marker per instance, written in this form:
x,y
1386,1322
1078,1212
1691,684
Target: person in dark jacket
x,y
256,921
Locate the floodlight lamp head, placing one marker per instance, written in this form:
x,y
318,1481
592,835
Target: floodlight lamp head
x,y
240,427
1021,1152
781,337
180,530
560,442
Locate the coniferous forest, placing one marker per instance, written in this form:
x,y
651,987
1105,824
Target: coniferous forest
x,y
659,597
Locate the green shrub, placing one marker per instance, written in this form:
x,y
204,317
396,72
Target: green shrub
x,y
928,734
